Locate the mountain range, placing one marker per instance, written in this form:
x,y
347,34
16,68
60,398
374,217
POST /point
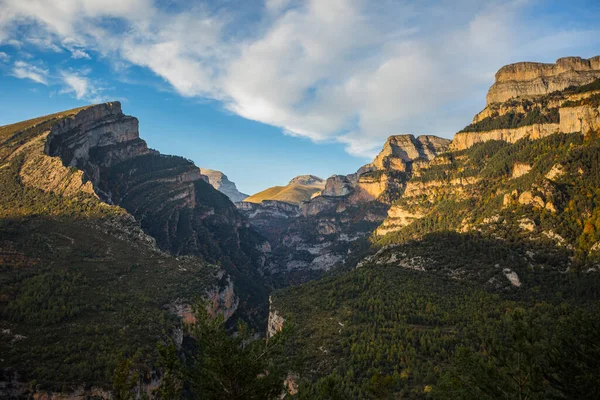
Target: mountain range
x,y
427,272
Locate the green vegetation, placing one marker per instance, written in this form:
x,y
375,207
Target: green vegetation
x,y
593,101
590,87
513,120
212,364
574,193
384,332
78,285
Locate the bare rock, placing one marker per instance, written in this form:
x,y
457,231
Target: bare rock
x,y
534,79
219,181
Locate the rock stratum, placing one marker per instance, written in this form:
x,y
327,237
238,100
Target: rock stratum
x,y
526,79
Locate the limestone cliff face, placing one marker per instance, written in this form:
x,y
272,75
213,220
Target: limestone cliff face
x,y
464,140
337,186
582,119
275,322
96,137
399,150
527,79
219,181
167,195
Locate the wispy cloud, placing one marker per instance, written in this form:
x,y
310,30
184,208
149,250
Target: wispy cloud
x,y
351,71
23,70
4,57
82,87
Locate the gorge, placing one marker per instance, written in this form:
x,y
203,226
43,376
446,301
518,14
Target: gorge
x,y
390,274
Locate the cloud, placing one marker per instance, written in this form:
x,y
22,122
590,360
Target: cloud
x,y
347,71
4,57
82,87
23,70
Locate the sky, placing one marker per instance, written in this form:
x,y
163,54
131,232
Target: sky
x,y
265,90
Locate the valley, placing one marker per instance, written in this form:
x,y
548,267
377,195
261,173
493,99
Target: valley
x,y
464,268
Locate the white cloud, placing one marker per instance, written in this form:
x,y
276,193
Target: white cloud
x,y
82,87
351,71
23,70
4,57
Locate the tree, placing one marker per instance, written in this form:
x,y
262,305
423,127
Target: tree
x,y
125,379
236,366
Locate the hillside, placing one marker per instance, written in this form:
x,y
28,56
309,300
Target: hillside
x,y
82,274
298,190
443,269
489,254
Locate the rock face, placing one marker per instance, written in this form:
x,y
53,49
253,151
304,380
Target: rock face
x,y
583,118
219,181
322,232
167,194
527,79
337,186
464,140
399,150
96,137
275,322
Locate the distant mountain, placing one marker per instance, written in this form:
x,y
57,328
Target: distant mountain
x,y
219,181
298,190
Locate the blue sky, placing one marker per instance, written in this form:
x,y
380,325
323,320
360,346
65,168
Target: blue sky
x,y
267,90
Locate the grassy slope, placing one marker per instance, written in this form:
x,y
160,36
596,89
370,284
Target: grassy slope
x,y
293,194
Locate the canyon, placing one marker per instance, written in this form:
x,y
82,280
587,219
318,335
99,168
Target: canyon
x,y
89,206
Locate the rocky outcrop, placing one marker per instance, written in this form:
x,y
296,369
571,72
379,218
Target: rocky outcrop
x,y
519,169
219,181
275,322
528,79
582,118
464,140
399,150
167,195
308,180
97,137
398,217
337,186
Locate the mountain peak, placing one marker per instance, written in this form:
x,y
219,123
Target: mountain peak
x,y
219,181
308,180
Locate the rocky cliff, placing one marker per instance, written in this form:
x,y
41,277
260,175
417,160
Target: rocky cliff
x,y
219,181
168,195
568,104
400,150
333,225
529,79
94,278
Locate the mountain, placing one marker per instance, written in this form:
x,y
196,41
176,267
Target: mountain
x,y
333,225
443,269
104,244
299,189
219,181
489,253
